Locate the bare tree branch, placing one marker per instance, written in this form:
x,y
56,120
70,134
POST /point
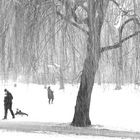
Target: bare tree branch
x,y
125,12
117,45
129,20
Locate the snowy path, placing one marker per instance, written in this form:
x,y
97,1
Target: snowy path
x,y
64,129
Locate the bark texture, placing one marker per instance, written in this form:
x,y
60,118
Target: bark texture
x,y
95,22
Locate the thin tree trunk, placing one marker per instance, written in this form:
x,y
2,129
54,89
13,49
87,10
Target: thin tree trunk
x,y
72,42
53,20
62,58
74,62
137,49
45,63
119,71
3,56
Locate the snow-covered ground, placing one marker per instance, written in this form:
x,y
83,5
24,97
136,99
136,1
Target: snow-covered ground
x,y
28,136
111,109
116,109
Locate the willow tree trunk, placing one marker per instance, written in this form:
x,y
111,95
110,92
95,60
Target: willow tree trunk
x,y
81,116
96,16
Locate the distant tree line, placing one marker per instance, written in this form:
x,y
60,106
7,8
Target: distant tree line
x,y
38,45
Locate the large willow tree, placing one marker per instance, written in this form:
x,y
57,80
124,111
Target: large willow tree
x,y
95,12
95,16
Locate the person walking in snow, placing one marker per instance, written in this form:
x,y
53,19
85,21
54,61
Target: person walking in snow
x,y
8,104
50,95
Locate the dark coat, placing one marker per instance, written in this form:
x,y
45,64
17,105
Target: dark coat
x,y
8,99
50,94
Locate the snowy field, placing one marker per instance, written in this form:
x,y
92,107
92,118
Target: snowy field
x,y
110,109
28,136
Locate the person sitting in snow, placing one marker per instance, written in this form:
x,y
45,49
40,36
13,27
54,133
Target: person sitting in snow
x,y
8,103
50,95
